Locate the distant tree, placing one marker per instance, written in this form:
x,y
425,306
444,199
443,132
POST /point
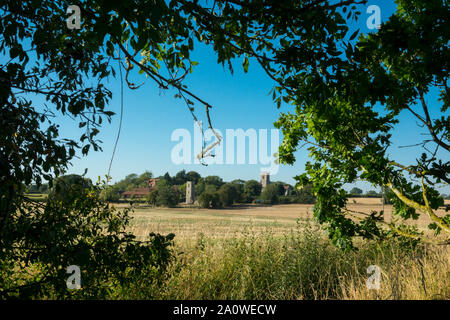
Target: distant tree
x,y
200,187
69,184
180,178
43,188
167,178
111,194
228,194
182,192
129,182
252,188
193,176
239,185
209,200
142,180
280,185
208,184
133,181
152,197
204,200
356,191
34,188
372,193
210,188
271,193
214,180
305,195
167,195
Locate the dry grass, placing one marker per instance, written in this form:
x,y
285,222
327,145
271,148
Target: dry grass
x,y
186,223
416,277
300,265
278,252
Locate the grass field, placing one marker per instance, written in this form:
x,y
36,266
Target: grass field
x,y
188,222
279,252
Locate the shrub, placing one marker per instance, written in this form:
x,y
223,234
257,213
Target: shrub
x,y
111,194
305,195
63,186
239,185
182,192
202,186
247,198
271,193
167,196
152,197
209,200
286,199
372,193
79,229
228,194
280,185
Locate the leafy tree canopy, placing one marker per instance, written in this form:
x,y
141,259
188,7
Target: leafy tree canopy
x,y
336,114
252,188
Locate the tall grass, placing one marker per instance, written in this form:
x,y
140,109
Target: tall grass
x,y
300,265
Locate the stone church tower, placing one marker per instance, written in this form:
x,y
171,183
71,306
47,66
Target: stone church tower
x,y
190,192
265,179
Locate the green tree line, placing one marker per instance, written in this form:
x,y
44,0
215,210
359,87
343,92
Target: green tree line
x,y
210,191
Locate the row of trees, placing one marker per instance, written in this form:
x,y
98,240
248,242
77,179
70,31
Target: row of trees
x,y
359,192
248,191
211,191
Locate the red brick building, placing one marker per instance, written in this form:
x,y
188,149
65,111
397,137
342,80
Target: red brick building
x,y
141,192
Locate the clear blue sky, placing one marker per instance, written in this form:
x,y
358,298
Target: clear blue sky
x,y
239,101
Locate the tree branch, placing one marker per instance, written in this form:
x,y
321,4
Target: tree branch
x,y
439,221
429,124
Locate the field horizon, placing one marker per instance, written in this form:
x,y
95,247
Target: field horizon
x,y
188,221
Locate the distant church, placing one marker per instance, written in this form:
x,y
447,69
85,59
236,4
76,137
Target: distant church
x,y
265,179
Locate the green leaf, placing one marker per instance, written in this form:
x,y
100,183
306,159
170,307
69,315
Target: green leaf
x,y
353,36
245,64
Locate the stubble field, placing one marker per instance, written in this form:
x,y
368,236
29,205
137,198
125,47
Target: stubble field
x,y
279,252
189,222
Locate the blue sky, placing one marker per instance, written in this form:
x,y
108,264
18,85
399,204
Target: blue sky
x,y
239,101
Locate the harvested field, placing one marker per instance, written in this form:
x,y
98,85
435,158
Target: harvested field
x,y
188,222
